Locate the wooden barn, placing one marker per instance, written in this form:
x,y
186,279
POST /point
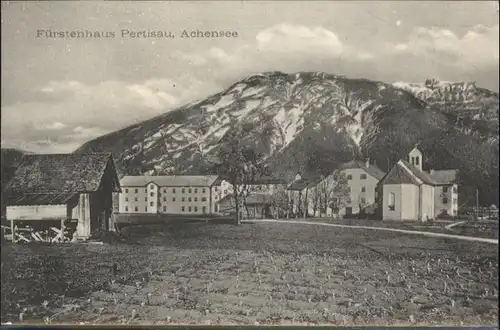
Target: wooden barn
x,y
54,193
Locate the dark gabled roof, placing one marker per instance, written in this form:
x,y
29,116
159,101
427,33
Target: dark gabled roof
x,y
423,176
444,177
299,185
40,199
265,180
170,180
405,173
371,170
53,174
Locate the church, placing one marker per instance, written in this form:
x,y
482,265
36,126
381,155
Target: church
x,y
410,193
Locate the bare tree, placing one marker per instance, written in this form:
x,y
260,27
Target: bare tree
x,y
280,202
333,192
240,166
314,198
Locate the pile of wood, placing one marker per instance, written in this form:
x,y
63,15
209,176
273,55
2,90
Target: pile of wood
x,y
28,234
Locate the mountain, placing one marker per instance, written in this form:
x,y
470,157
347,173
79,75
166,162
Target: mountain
x,y
309,122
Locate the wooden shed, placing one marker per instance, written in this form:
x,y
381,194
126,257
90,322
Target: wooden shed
x,y
53,191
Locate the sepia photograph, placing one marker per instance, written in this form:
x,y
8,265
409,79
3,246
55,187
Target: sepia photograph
x,y
255,163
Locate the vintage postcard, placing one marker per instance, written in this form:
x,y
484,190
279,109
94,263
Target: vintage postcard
x,y
250,162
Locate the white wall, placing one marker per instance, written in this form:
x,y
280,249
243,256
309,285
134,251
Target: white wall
x,y
37,212
427,203
409,201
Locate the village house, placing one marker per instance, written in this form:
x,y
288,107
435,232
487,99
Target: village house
x,y
298,194
410,193
445,192
53,191
362,179
171,194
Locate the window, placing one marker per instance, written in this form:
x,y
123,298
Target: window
x,y
136,199
189,190
165,190
173,199
362,176
445,189
363,200
189,199
216,197
145,208
363,189
196,199
146,198
204,209
152,194
348,200
216,208
173,191
203,199
164,209
195,190
183,209
126,199
455,190
196,208
152,204
151,187
183,199
349,177
126,208
137,191
164,199
445,200
392,201
189,208
444,212
136,209
183,190
126,191
203,190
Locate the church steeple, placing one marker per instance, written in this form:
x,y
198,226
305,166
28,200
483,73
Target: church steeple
x,y
415,157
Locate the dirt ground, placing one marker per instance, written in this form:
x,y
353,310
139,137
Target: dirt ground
x,y
253,274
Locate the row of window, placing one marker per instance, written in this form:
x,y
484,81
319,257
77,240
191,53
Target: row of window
x,y
183,209
203,199
363,189
183,190
445,200
361,176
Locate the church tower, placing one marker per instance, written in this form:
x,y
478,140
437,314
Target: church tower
x,y
415,157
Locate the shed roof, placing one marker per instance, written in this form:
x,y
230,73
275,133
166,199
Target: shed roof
x,y
53,174
170,180
40,199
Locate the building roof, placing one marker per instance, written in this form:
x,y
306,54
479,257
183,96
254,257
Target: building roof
x,y
405,173
40,199
170,180
444,177
54,174
372,170
300,185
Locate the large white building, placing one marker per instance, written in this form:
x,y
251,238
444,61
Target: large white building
x,y
172,194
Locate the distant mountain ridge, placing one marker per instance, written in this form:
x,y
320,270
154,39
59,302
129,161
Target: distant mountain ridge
x,y
311,122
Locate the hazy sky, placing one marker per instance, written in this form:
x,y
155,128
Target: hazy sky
x,y
60,92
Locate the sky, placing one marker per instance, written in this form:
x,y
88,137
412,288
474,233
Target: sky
x,y
59,92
